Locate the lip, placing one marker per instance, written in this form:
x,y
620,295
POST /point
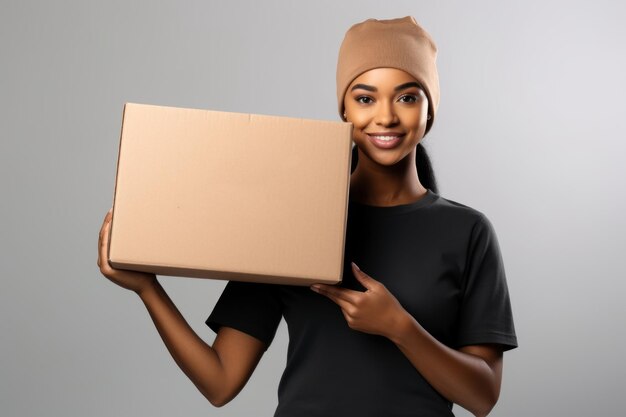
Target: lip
x,y
381,144
385,133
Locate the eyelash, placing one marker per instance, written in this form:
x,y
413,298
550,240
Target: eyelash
x,y
406,95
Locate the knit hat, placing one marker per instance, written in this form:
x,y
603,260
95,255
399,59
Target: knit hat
x,y
396,43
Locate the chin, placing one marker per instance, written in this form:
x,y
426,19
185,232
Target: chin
x,y
385,158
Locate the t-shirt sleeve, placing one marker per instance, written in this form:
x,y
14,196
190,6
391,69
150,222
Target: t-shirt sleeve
x,y
252,308
485,315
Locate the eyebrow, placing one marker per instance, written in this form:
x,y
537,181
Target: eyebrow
x,y
398,88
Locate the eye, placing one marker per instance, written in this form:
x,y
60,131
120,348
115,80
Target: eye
x,y
358,99
412,98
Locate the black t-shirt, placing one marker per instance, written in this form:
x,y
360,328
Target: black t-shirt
x,y
439,258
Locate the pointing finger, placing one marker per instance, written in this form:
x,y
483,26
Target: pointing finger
x,y
343,304
336,292
367,281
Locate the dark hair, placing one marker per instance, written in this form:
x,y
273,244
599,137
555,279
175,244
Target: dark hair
x,y
422,161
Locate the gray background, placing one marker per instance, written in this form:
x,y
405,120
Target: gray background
x,y
529,131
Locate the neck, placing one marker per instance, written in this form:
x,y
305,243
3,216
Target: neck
x,y
381,185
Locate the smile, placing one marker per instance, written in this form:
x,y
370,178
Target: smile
x,y
385,141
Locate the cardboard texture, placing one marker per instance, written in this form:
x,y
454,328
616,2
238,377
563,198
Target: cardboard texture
x,y
231,196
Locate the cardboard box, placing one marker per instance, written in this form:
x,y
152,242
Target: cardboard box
x,y
232,196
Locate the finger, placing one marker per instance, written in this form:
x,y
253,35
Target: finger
x,y
100,240
104,244
343,304
104,222
108,215
107,219
367,281
338,292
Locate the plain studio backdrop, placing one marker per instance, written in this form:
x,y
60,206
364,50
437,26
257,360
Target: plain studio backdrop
x,y
530,131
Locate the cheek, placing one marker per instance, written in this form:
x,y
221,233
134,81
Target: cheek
x,y
356,114
415,121
416,116
360,120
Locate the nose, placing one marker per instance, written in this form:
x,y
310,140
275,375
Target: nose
x,y
386,114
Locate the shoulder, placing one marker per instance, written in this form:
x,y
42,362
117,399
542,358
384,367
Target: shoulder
x,y
458,213
473,227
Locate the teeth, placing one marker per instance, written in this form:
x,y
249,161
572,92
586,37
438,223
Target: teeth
x,y
385,138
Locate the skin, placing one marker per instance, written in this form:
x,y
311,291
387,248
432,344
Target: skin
x,y
470,376
386,177
219,371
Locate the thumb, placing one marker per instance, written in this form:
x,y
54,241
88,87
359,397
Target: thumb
x,y
362,277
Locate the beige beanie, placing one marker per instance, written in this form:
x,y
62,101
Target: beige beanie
x,y
395,43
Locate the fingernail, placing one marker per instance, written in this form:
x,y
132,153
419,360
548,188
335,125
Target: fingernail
x,y
354,265
315,287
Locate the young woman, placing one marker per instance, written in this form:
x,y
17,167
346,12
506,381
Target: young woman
x,y
420,323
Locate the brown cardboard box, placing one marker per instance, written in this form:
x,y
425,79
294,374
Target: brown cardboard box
x,y
233,196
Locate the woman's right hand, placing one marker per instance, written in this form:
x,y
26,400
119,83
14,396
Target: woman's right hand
x,y
219,371
132,280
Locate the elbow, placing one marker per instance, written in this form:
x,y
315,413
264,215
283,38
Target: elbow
x,y
482,413
218,401
217,398
218,394
487,405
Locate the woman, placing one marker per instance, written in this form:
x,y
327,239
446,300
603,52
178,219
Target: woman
x,y
422,324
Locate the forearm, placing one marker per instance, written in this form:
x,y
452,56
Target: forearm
x,y
195,358
460,377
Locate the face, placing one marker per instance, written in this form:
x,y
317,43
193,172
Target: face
x,y
389,113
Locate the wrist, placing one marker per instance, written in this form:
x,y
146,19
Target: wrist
x,y
401,327
149,287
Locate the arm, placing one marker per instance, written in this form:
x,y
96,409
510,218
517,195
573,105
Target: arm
x,y
220,371
469,377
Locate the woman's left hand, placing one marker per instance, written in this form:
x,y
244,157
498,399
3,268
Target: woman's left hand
x,y
375,311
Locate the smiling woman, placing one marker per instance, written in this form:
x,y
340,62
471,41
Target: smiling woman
x,y
389,112
388,51
421,322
